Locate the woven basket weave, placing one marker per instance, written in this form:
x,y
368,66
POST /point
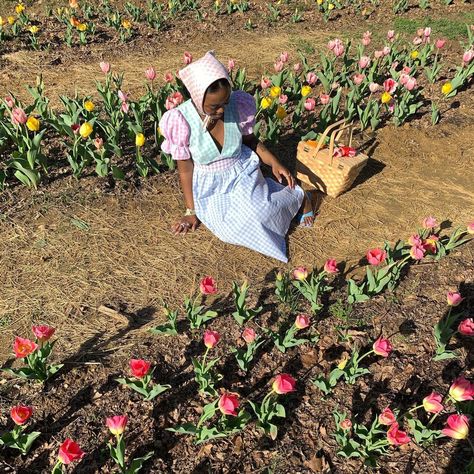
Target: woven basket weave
x,y
317,167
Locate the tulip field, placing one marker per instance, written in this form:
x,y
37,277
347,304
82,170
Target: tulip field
x,y
126,349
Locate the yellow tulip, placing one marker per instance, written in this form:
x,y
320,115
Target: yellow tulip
x,y
343,363
320,2
19,8
265,103
89,105
139,139
85,130
33,124
126,24
414,54
217,3
330,6
82,27
11,20
2,21
275,92
386,98
158,129
33,29
281,112
447,88
305,90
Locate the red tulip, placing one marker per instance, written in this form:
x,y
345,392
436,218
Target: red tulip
x,y
457,427
429,244
382,347
376,256
211,338
461,389
432,403
249,335
283,383
228,404
387,417
300,273
208,286
70,451
117,424
454,298
346,424
466,327
302,321
331,266
396,436
23,347
139,367
390,85
21,414
43,333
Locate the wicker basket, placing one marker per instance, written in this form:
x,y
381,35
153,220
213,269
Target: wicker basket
x,y
317,167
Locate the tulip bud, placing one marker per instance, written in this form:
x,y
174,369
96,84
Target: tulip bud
x,y
104,67
457,427
117,424
454,298
382,347
139,140
249,335
150,74
302,321
211,338
283,383
331,266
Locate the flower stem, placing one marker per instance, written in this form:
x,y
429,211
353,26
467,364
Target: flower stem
x,y
363,356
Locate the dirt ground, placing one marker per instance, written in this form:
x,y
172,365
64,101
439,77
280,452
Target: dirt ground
x,y
124,257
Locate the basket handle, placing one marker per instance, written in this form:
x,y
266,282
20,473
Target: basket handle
x,y
326,132
335,136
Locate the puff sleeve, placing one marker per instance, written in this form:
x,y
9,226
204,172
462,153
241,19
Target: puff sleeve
x,y
176,131
246,110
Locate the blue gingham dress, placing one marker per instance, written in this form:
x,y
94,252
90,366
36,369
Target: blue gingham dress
x,y
232,198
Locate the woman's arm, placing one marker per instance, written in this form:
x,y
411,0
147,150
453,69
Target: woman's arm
x,y
269,159
185,172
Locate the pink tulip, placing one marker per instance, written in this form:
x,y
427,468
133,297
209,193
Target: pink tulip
x,y
324,98
150,74
403,78
297,68
211,338
70,451
410,84
122,96
302,321
346,424
387,417
231,65
470,228
331,266
432,403
265,83
467,56
440,43
391,35
415,240
429,223
457,427
358,79
466,327
208,286
311,78
396,436
300,273
139,367
366,38
174,100
309,104
43,333
427,32
364,61
378,54
249,335
284,56
376,256
9,101
278,66
284,383
228,404
417,252
283,99
338,50
461,390
104,67
373,87
382,347
125,107
454,298
406,70
390,85
18,116
98,143
21,414
117,424
187,58
23,347
386,50
169,77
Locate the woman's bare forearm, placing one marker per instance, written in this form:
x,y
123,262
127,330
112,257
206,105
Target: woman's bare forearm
x,y
185,171
260,149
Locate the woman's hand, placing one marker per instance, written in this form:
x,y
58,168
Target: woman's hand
x,y
185,224
279,171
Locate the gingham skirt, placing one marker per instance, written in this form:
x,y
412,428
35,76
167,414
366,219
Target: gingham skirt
x,y
242,207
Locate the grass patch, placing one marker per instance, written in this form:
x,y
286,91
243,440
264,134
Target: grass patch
x,y
451,28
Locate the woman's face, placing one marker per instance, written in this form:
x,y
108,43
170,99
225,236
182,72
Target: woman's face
x,y
215,102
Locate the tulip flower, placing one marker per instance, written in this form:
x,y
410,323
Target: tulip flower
x,y
391,35
417,252
302,321
89,105
139,140
9,101
211,338
396,436
104,67
23,347
454,298
324,98
415,239
386,50
446,88
187,58
249,335
43,333
373,87
283,99
85,130
75,128
467,56
265,83
470,228
331,266
390,85
461,390
174,100
284,57
208,286
228,404
376,256
150,74
429,222
387,417
440,43
410,84
297,68
385,98
169,77
21,414
305,91
378,54
278,66
231,65
346,424
466,327
275,92
33,124
265,103
281,113
382,347
364,61
70,451
283,383
358,79
310,104
432,403
18,116
311,78
98,143
117,424
366,38
139,367
300,273
457,427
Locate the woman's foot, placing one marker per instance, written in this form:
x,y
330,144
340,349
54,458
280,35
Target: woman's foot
x,y
306,213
